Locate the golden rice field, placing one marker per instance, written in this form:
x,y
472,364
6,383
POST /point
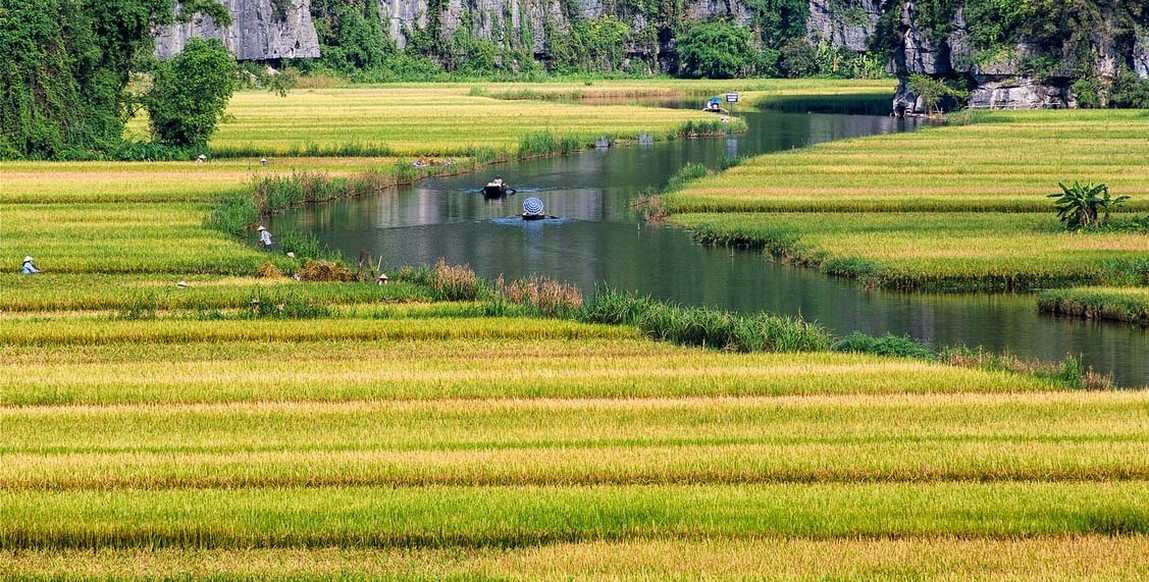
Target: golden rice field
x,y
1008,163
154,432
943,251
420,120
153,182
235,448
947,208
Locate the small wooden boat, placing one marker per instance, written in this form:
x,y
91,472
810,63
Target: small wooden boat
x,y
497,189
533,209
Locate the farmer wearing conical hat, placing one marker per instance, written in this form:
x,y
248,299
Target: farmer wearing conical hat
x,y
265,237
28,268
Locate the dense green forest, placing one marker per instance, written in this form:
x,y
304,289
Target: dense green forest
x,y
70,72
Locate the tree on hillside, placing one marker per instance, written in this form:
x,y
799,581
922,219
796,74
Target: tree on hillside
x,y
715,50
67,65
190,93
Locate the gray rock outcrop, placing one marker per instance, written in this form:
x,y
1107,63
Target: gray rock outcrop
x,y
1141,53
849,28
260,30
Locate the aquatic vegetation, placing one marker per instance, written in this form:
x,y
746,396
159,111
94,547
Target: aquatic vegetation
x,y
700,326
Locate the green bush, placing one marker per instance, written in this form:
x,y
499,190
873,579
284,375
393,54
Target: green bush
x,y
886,345
190,94
716,50
705,327
797,58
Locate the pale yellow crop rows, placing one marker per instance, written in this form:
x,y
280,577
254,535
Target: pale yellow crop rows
x,y
1039,558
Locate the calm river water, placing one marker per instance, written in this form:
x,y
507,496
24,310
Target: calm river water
x,y
602,240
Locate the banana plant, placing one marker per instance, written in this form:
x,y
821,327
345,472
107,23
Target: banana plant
x,y
1078,205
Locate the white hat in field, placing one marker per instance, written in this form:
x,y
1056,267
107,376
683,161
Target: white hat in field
x,y
291,254
26,259
261,228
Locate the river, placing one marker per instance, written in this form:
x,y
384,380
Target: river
x,y
602,240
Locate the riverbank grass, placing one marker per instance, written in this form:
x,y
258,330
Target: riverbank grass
x,y
1118,304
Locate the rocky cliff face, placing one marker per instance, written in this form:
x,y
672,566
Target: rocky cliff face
x,y
1005,82
274,29
495,19
849,25
260,30
998,85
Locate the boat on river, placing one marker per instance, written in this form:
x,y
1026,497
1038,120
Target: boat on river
x,y
497,188
714,105
533,209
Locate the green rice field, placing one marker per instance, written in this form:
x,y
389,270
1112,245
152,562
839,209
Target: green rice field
x,y
960,207
260,428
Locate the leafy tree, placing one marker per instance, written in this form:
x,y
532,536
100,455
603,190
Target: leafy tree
x,y
934,91
67,65
1078,205
190,93
715,50
798,58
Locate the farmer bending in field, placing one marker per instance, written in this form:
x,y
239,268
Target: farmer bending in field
x,y
28,268
265,238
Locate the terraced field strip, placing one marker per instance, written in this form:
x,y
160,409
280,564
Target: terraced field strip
x,y
152,182
1046,558
496,441
58,292
518,516
934,250
422,120
96,361
1005,165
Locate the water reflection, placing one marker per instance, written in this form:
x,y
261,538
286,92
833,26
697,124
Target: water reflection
x,y
602,240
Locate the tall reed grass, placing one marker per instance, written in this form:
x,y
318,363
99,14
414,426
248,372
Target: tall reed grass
x,y
700,326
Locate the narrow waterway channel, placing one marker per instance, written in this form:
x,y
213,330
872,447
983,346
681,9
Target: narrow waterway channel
x,y
602,240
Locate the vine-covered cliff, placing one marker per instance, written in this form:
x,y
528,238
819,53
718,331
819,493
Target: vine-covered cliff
x,y
1001,53
261,30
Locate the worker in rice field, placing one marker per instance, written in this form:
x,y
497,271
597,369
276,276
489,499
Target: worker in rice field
x,y
29,267
265,237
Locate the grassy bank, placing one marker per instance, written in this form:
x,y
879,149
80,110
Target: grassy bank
x,y
1117,304
953,208
936,251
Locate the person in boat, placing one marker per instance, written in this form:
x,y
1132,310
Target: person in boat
x,y
498,181
29,268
